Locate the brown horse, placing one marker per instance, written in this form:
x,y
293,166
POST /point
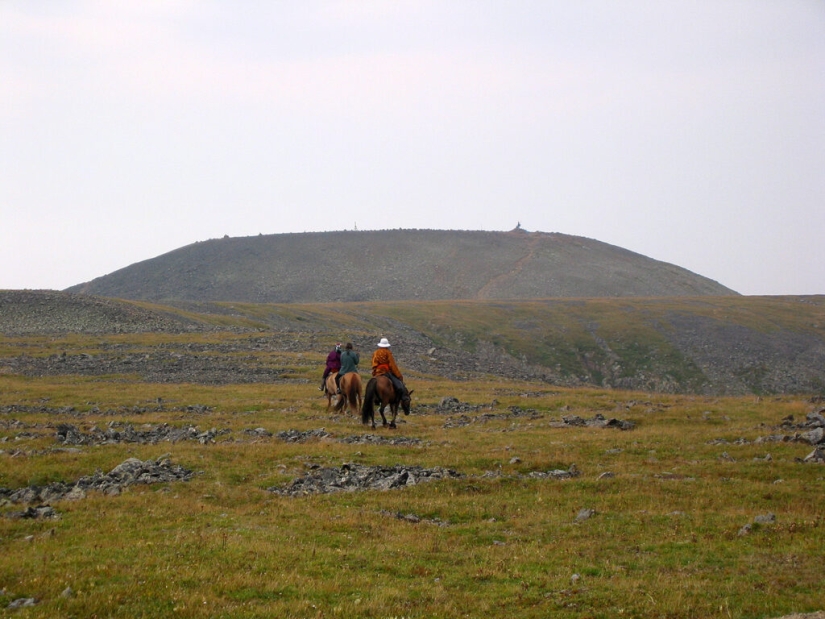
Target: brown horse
x,y
350,392
380,392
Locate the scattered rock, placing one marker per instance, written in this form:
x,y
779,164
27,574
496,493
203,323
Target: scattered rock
x,y
296,436
374,439
128,473
463,420
415,519
573,471
761,520
352,477
258,432
22,603
117,432
598,421
35,513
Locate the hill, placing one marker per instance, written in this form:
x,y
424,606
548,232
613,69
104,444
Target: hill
x,y
727,345
398,265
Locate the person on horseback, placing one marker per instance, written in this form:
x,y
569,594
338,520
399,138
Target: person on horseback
x,y
333,364
349,363
384,363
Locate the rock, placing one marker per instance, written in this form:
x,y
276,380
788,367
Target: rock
x,y
22,603
817,455
765,519
585,514
597,421
35,513
374,439
117,432
815,419
259,432
573,471
815,436
353,477
295,436
129,472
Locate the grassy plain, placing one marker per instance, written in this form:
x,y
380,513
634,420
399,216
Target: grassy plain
x,y
664,540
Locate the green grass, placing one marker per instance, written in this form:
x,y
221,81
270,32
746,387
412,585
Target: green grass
x,y
664,541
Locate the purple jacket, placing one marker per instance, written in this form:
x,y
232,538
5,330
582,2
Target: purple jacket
x,y
333,361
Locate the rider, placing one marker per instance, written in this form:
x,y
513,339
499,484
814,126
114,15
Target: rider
x,y
384,363
333,364
349,363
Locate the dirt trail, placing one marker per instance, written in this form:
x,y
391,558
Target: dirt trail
x,y
485,291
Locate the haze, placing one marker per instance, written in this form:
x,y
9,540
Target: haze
x,y
688,131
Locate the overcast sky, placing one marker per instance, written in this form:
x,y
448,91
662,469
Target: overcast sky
x,y
690,131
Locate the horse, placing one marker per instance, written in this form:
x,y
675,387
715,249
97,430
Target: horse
x,y
331,389
350,392
380,392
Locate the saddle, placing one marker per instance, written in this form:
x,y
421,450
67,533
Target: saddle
x,y
397,386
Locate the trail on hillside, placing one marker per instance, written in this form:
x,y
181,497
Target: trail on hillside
x,y
486,290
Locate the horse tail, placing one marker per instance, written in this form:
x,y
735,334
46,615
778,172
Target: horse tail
x,y
367,410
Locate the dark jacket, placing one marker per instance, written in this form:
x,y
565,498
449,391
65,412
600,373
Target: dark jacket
x,y
349,362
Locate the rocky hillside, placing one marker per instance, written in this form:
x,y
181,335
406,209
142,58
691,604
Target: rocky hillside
x,y
398,265
708,345
48,312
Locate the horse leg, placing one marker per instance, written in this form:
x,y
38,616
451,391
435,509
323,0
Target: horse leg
x,y
394,411
381,410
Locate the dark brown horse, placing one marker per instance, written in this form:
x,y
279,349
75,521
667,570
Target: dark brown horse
x,y
380,392
350,392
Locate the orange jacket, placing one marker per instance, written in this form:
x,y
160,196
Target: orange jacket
x,y
384,363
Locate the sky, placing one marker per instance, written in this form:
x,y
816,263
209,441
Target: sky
x,y
689,131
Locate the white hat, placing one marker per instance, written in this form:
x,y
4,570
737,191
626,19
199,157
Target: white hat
x,y
383,343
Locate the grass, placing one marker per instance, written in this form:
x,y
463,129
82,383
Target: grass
x,y
664,540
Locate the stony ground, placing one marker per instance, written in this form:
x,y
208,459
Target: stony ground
x,y
710,354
